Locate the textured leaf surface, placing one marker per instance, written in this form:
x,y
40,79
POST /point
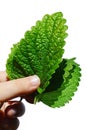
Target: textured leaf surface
x,y
40,51
62,85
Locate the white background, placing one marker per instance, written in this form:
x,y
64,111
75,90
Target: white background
x,y
17,16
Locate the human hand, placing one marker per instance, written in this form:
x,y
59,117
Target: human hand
x,y
9,90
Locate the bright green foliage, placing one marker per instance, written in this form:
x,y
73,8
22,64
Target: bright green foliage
x,y
40,52
62,85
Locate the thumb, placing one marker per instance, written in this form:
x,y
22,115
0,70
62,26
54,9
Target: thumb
x,y
18,87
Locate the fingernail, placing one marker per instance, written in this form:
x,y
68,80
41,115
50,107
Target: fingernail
x,y
11,113
35,81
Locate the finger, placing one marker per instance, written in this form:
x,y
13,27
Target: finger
x,y
15,109
3,76
9,124
18,87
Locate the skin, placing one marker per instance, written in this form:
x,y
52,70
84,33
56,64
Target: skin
x,y
15,88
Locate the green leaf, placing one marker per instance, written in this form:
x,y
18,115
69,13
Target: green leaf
x,y
40,51
63,84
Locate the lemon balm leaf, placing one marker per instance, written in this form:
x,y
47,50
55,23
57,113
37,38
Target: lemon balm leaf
x,y
40,51
62,85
